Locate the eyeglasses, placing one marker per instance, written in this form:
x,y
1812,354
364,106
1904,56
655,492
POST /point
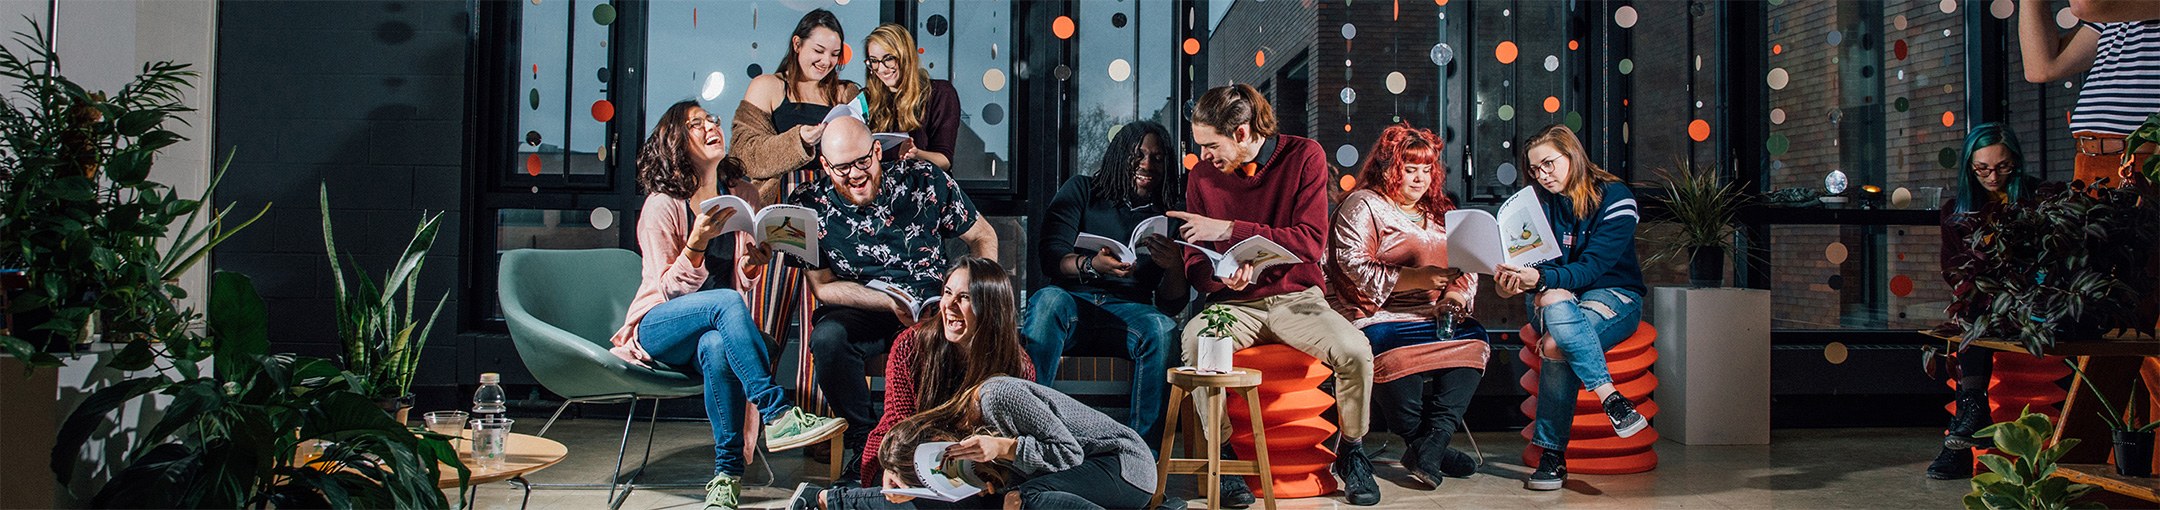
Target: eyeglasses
x,y
859,165
707,122
889,61
2000,168
1544,167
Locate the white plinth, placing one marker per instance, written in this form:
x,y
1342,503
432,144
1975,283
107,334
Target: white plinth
x,y
1713,365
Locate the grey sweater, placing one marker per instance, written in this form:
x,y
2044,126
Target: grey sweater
x,y
1056,432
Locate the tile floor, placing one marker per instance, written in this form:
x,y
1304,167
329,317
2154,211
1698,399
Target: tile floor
x,y
1801,469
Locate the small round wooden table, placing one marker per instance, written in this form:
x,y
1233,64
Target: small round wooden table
x,y
527,453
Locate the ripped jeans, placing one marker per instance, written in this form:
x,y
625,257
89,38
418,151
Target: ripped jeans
x,y
1583,328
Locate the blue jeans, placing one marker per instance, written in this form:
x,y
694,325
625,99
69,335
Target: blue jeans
x,y
1584,328
712,331
1056,317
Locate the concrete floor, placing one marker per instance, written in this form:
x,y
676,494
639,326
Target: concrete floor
x,y
1818,468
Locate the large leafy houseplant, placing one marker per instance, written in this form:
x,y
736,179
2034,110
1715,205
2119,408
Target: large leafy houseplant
x,y
2073,262
231,437
2026,482
80,216
382,340
1703,211
2146,134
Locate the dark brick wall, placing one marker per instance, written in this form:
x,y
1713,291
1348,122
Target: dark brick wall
x,y
368,97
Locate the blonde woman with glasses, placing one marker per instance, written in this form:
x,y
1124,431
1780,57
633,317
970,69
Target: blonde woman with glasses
x,y
901,98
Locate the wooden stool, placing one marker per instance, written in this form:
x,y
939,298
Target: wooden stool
x,y
1241,380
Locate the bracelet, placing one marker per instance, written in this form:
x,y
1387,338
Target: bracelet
x,y
694,249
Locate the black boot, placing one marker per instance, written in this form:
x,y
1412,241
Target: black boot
x,y
1972,415
1952,464
1422,461
850,470
1551,472
1355,470
1457,464
1234,492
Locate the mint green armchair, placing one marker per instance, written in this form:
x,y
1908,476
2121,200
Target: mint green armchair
x,y
562,306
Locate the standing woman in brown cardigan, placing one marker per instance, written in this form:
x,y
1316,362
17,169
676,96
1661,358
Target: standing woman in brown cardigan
x,y
776,131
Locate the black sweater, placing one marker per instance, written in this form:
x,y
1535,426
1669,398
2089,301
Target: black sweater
x,y
1076,209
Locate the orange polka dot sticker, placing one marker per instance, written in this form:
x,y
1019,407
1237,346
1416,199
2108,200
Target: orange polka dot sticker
x,y
1699,130
847,53
1901,285
1574,45
1506,52
1259,58
532,165
1192,46
603,110
1348,182
1062,27
1949,119
1552,105
1191,160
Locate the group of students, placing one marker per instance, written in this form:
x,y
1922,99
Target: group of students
x,y
1366,301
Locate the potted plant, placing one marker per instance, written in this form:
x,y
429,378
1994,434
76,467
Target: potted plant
x,y
1702,209
375,322
2071,263
1214,350
2025,483
232,437
79,217
2133,443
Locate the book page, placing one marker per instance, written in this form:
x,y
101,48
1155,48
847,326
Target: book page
x,y
1474,241
1261,252
744,217
789,229
943,479
1159,225
1526,234
1095,243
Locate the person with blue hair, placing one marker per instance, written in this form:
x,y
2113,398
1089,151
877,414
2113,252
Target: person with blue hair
x,y
1992,179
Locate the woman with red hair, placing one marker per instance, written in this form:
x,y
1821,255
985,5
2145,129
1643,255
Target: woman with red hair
x,y
1388,274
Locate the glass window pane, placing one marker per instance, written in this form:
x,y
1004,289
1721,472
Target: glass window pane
x,y
689,40
1857,277
978,60
563,67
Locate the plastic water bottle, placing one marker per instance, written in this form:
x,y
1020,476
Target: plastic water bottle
x,y
488,402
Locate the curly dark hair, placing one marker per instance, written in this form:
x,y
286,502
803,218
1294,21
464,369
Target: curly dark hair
x,y
664,164
1113,181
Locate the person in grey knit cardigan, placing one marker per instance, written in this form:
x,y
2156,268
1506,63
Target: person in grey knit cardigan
x,y
1045,450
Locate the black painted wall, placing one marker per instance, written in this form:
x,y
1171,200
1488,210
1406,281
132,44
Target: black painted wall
x,y
368,97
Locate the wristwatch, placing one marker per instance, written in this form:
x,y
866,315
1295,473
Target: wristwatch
x,y
1087,268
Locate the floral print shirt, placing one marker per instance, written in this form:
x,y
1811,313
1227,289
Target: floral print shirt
x,y
900,236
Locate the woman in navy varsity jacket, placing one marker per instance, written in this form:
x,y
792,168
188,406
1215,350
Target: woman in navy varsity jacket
x,y
1584,302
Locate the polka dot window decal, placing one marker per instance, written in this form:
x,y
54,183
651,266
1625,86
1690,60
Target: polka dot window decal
x,y
1573,120
1835,253
1779,78
602,218
1898,49
993,113
1117,20
1947,157
1552,62
1349,31
2066,20
1777,49
1777,145
603,110
1441,54
715,83
603,14
1192,46
1396,82
993,80
1574,45
1836,37
1505,52
1949,119
1948,6
1191,160
533,98
1349,95
2002,9
1507,174
1552,104
1120,70
532,165
1259,58
1835,353
1348,182
1902,104
1898,21
847,53
1699,130
1507,112
1625,16
1901,285
1777,115
1346,155
532,138
1627,65
1062,27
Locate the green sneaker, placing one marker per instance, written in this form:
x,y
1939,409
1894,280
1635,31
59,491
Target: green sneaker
x,y
795,429
723,492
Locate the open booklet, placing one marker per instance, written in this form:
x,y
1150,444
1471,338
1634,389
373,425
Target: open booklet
x,y
790,229
947,480
1521,236
1132,249
917,307
1258,251
855,109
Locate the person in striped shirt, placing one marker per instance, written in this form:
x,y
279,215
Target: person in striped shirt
x,y
2117,46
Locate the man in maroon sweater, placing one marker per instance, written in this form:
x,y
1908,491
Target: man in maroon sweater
x,y
1254,182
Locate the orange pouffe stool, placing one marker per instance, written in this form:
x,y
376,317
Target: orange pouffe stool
x,y
1593,447
2019,380
1291,404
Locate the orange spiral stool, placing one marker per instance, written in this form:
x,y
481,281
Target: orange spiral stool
x,y
1291,401
1593,448
2019,380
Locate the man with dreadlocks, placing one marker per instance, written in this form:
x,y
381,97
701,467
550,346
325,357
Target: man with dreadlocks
x,y
1094,295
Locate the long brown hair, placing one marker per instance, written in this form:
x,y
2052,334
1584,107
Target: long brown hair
x,y
791,67
664,164
958,417
991,350
1585,179
1224,108
891,111
1401,145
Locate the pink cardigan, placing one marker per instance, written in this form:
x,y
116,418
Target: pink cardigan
x,y
662,230
1370,241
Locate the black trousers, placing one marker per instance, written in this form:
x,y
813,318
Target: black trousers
x,y
843,338
1427,403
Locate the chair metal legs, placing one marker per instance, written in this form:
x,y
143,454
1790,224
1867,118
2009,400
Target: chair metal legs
x,y
618,489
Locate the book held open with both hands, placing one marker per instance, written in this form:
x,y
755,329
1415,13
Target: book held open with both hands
x,y
790,229
1520,236
1129,250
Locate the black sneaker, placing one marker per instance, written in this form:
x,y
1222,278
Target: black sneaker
x,y
1952,464
1234,492
1551,471
1422,462
805,497
1625,421
1355,470
1172,503
1457,464
1972,415
850,470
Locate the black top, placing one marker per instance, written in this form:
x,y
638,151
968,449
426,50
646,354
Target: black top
x,y
1076,209
791,114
